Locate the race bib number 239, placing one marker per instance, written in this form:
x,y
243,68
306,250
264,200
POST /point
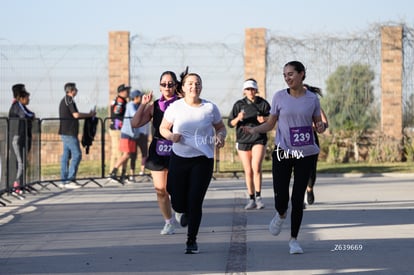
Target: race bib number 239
x,y
301,136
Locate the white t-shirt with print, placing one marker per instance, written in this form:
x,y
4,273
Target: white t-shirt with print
x,y
195,124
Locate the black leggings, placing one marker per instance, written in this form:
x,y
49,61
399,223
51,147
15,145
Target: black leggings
x,y
282,169
187,183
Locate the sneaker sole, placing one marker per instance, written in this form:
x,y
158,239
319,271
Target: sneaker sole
x,y
73,187
295,252
167,233
192,251
274,233
254,206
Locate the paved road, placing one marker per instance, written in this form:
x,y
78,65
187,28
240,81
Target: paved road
x,y
358,225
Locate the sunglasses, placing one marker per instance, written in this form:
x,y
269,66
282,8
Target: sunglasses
x,y
169,85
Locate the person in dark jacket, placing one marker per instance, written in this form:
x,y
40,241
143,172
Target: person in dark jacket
x,y
118,108
20,131
251,110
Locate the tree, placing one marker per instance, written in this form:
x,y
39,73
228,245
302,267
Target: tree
x,y
349,97
348,102
409,112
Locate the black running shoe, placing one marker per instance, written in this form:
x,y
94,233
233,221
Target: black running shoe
x,y
112,175
310,197
123,178
181,219
192,248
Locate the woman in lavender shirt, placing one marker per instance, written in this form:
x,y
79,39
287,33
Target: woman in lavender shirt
x,y
294,109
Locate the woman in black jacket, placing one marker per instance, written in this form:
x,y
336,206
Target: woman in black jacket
x,y
20,118
251,111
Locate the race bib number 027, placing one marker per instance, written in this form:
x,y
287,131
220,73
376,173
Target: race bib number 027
x,y
164,147
301,136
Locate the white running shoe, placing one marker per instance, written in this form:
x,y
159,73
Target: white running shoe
x,y
168,229
275,225
295,247
259,203
250,205
72,185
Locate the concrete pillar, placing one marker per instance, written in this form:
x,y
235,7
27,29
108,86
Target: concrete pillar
x,y
391,81
255,57
118,61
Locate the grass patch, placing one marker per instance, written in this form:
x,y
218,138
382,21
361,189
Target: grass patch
x,y
93,168
366,168
86,169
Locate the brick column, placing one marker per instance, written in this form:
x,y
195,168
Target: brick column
x,y
255,57
391,81
118,61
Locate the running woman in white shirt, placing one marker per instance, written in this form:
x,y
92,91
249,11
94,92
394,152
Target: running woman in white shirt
x,y
195,127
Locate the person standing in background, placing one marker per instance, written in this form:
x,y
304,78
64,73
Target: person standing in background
x,y
252,111
20,131
118,108
68,130
129,135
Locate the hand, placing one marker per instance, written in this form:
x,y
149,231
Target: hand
x,y
175,137
320,127
261,119
241,115
146,98
220,140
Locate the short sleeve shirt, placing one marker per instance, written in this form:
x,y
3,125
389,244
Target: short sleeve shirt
x,y
260,107
195,124
68,124
294,131
126,128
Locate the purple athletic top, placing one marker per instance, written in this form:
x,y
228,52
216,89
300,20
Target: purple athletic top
x,y
294,132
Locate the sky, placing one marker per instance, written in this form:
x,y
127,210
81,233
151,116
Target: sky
x,y
89,21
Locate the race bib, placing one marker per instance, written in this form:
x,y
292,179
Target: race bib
x,y
301,136
164,147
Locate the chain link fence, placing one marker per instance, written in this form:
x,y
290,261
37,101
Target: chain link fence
x,y
46,68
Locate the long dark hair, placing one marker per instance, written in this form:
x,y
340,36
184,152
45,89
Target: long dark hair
x,y
313,89
174,77
299,67
182,76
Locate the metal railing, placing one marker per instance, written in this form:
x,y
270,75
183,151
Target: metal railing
x,y
41,155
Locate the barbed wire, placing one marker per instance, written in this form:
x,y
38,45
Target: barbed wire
x,y
45,68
